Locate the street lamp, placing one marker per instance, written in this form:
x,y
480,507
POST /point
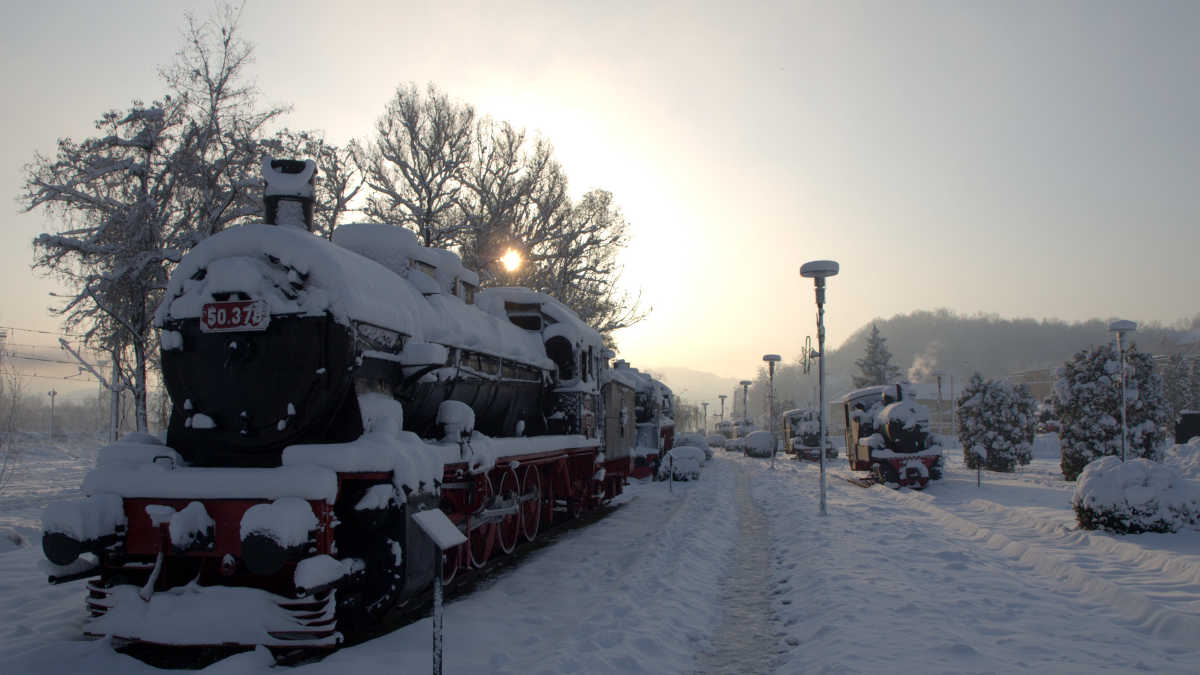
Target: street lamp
x,y
722,397
818,270
771,359
1121,327
745,400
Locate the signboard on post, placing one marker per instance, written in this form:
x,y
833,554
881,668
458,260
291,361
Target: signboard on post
x,y
445,535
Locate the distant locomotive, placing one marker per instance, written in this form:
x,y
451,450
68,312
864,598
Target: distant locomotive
x,y
323,393
888,434
654,417
802,434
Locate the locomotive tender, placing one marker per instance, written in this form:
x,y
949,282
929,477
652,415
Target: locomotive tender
x,y
324,392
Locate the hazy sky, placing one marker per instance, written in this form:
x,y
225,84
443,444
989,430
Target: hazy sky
x,y
1025,159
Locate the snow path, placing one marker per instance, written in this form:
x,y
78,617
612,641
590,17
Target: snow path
x,y
745,642
889,582
636,592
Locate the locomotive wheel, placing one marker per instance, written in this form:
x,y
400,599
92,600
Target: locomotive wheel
x,y
481,539
509,528
479,544
531,507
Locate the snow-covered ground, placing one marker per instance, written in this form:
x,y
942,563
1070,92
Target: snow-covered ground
x,y
736,572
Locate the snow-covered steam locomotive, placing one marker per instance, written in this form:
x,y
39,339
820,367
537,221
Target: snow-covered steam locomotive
x,y
802,429
888,434
323,393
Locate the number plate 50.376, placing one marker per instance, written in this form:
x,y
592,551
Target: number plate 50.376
x,y
236,315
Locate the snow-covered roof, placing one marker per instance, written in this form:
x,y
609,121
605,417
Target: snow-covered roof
x,y
396,248
492,301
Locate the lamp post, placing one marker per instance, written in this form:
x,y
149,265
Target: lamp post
x,y
1121,327
722,397
771,360
704,417
818,270
745,400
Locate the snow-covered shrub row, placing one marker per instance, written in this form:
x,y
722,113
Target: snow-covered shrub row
x,y
999,418
1135,496
1087,401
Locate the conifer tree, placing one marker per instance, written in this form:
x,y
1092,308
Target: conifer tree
x,y
1087,399
998,418
1177,386
876,364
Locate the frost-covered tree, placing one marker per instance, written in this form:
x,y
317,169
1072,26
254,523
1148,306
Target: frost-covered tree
x,y
1087,401
1177,386
482,187
999,418
338,180
876,364
414,166
1194,384
11,392
153,181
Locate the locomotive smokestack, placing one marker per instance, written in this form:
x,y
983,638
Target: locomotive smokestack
x,y
288,196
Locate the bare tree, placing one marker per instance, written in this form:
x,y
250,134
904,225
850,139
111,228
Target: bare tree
x,y
11,390
484,187
414,165
219,155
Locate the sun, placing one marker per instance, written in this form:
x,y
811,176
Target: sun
x,y
511,260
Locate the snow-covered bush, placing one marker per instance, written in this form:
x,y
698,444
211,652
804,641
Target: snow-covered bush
x,y
1087,401
1185,459
681,463
999,418
1135,496
760,444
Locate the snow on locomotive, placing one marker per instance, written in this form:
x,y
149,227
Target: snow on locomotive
x,y
888,434
323,393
